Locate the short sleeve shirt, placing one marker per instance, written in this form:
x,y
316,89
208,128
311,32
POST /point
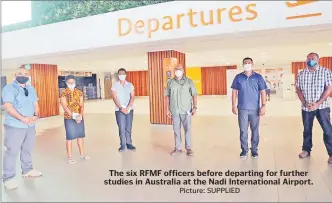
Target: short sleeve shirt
x,y
73,99
249,89
180,93
15,94
312,85
123,93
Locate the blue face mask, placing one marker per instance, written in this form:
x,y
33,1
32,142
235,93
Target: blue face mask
x,y
311,63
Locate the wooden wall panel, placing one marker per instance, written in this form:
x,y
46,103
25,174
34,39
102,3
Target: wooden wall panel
x,y
140,81
108,86
326,62
214,80
44,78
158,114
297,66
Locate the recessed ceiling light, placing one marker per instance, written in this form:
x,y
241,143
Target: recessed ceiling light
x,y
263,53
330,44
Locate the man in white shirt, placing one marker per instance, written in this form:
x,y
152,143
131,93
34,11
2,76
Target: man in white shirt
x,y
123,96
268,90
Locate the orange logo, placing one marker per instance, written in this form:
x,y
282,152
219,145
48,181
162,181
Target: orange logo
x,y
294,4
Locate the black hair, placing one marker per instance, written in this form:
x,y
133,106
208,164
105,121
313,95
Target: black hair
x,y
314,54
247,58
122,69
68,77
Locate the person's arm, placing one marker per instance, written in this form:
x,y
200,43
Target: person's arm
x,y
132,97
115,99
193,91
12,111
325,95
300,95
235,89
328,87
167,98
8,97
37,109
234,97
64,104
299,91
263,97
81,106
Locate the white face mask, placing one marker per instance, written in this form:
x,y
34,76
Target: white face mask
x,y
71,86
178,73
247,67
122,77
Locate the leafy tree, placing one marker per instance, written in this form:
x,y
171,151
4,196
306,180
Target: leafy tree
x,y
47,12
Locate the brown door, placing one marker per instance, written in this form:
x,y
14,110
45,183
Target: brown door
x,y
108,86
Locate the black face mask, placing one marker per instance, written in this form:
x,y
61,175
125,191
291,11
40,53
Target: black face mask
x,y
22,79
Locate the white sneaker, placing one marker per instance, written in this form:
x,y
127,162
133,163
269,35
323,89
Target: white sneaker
x,y
33,174
10,184
86,157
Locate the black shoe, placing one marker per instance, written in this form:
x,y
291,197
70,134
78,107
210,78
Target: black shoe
x,y
254,155
131,147
122,148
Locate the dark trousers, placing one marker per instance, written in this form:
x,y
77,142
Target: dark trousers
x,y
124,122
248,118
323,117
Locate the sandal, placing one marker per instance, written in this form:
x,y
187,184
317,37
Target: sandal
x,y
71,160
86,157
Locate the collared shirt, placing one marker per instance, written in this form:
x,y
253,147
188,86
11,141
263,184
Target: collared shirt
x,y
180,93
14,94
249,89
73,99
268,85
123,93
312,85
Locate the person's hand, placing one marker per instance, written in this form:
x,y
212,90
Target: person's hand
x,y
313,106
26,120
193,111
169,114
124,110
235,110
262,111
33,118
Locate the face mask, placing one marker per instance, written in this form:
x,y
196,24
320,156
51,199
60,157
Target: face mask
x,y
22,79
247,67
311,63
178,73
122,77
71,86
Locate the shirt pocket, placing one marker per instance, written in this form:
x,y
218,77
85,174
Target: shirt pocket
x,y
243,84
254,84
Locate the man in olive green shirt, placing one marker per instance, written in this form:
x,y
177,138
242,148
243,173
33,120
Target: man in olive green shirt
x,y
181,103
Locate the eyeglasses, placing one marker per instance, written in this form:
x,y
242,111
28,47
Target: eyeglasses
x,y
26,92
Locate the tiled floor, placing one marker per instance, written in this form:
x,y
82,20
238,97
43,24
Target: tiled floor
x,y
216,146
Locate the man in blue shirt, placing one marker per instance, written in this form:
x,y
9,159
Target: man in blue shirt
x,y
249,88
22,110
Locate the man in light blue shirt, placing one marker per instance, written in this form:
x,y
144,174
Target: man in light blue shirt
x,y
22,111
123,96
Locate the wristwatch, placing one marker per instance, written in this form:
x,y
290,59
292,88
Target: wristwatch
x,y
263,105
120,108
195,107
